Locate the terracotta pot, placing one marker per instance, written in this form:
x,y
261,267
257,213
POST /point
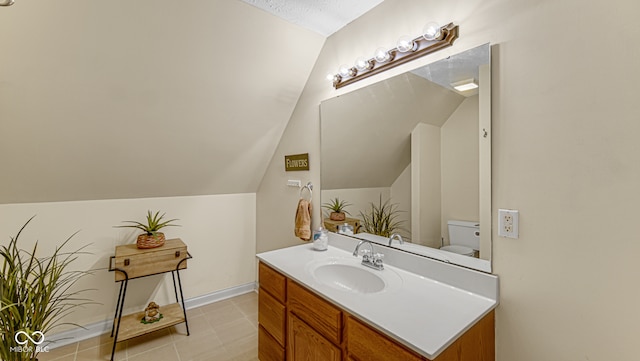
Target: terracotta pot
x,y
146,241
337,216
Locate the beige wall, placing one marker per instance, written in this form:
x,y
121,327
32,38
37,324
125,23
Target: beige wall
x,y
426,187
152,98
400,194
565,153
460,186
219,231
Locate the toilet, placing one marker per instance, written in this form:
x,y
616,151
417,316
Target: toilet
x,y
464,238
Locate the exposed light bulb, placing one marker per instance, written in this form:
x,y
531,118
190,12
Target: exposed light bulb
x,y
381,55
363,64
330,76
431,31
405,43
345,71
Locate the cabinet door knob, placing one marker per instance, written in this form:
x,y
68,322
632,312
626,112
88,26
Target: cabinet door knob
x,y
177,254
126,262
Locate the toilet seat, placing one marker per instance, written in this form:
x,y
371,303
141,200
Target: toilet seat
x,y
466,251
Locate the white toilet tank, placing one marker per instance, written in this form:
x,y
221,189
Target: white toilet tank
x,y
464,233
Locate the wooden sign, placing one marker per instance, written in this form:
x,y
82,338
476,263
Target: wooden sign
x,y
296,162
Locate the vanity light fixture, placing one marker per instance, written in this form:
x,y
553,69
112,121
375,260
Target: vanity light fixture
x,y
432,39
6,3
464,85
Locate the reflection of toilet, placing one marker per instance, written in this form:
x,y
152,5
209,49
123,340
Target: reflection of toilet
x,y
464,238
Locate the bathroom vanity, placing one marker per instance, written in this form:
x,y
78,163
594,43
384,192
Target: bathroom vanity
x,y
326,306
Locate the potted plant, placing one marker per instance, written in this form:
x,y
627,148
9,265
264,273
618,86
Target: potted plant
x,y
381,219
337,208
36,294
151,238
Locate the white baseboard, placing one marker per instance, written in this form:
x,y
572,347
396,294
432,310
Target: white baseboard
x,y
102,327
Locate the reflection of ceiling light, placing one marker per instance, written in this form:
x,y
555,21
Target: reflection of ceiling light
x,y
465,85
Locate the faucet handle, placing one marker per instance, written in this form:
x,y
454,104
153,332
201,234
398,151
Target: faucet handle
x,y
377,259
366,254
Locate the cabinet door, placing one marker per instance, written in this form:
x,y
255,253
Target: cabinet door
x,y
366,344
305,344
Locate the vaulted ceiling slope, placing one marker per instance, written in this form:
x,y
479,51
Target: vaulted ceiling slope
x,y
147,98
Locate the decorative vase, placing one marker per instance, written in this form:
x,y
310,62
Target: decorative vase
x,y
146,241
337,216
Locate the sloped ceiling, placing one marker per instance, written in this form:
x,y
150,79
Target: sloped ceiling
x,y
146,98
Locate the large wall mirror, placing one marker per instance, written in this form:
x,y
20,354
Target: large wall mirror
x,y
422,147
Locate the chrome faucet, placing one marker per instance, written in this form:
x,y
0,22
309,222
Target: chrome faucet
x,y
369,258
394,236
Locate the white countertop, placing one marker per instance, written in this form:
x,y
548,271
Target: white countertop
x,y
423,314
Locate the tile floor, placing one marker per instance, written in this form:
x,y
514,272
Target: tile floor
x,y
222,331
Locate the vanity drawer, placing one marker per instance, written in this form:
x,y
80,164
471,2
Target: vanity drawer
x,y
318,313
268,348
271,316
364,343
273,282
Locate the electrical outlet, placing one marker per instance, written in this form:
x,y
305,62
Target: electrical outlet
x,y
508,223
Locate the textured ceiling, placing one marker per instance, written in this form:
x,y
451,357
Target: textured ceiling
x,y
322,16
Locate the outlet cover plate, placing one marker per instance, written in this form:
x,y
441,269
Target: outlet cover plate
x,y
508,220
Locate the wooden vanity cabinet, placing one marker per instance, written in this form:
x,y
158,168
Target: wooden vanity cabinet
x,y
272,296
295,324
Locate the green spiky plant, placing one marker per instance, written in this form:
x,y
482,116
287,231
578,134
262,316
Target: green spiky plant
x,y
36,295
336,205
153,225
381,219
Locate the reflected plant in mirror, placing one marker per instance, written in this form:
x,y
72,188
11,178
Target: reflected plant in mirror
x,y
417,140
382,219
337,208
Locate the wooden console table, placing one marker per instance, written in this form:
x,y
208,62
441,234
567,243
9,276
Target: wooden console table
x,y
332,226
129,263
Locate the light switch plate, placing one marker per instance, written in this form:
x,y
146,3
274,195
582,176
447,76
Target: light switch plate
x,y
294,183
508,223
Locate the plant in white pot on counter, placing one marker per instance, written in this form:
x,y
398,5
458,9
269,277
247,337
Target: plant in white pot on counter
x,y
151,238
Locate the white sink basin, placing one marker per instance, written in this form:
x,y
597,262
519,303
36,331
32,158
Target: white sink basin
x,y
348,275
349,278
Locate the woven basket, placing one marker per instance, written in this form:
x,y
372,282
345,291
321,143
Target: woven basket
x,y
146,241
337,216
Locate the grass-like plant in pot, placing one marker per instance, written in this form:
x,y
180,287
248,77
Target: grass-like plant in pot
x,y
151,238
381,219
36,294
337,208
